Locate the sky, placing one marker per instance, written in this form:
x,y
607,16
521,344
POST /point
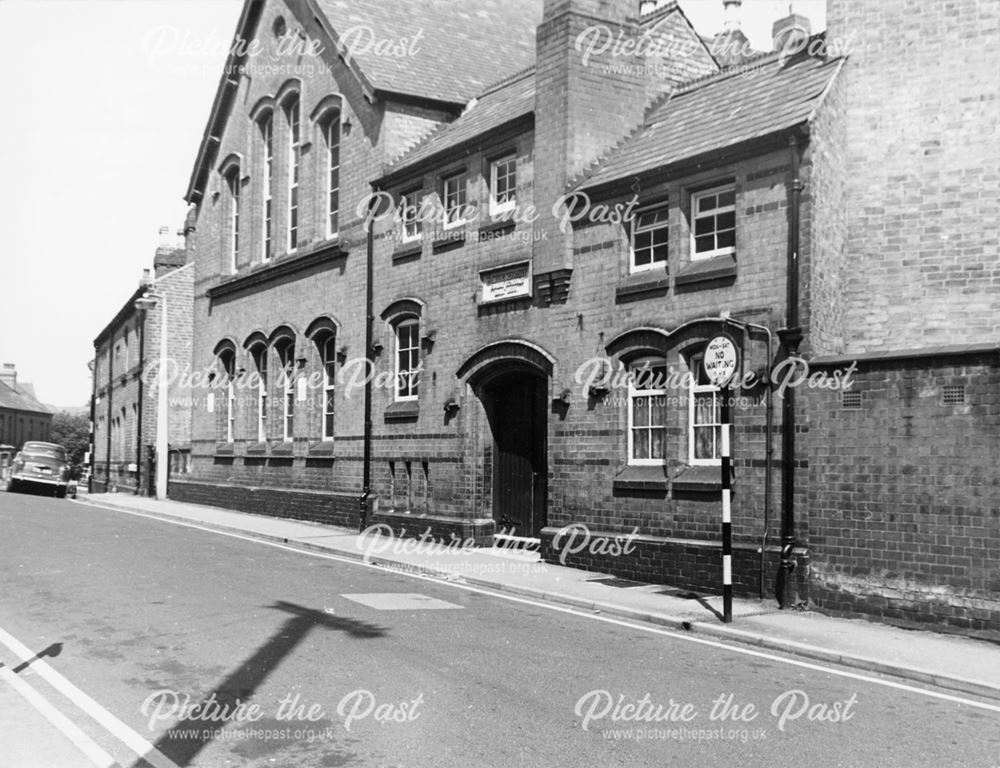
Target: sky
x,y
105,105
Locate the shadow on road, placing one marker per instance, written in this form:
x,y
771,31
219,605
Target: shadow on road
x,y
182,743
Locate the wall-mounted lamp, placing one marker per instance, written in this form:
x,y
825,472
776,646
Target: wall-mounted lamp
x,y
451,405
342,355
563,397
345,126
428,339
301,361
377,348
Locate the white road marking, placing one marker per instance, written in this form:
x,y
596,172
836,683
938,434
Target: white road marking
x,y
401,601
70,730
573,611
112,724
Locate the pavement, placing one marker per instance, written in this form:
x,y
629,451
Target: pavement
x,y
947,661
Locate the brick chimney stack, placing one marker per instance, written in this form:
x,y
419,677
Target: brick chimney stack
x,y
8,375
790,33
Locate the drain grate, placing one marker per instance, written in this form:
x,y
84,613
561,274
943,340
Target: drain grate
x,y
613,581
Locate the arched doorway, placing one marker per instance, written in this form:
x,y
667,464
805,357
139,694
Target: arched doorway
x,y
512,381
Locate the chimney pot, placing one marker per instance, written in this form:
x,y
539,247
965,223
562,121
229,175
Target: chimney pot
x,y
732,20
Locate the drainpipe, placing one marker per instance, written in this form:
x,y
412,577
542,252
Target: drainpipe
x,y
791,337
369,366
138,424
111,385
93,423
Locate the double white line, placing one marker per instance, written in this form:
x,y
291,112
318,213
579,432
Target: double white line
x,y
140,746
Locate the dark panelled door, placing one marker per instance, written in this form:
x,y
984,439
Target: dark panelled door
x,y
519,468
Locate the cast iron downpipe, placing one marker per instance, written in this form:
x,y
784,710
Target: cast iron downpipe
x,y
791,337
138,422
366,481
111,386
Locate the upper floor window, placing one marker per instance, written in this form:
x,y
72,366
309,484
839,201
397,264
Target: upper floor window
x,y
286,356
294,153
704,416
407,358
455,198
332,176
713,225
266,125
503,185
647,413
650,231
233,184
409,205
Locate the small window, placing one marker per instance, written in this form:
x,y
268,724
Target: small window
x,y
649,239
647,412
286,356
407,359
332,176
851,399
713,222
455,197
503,185
704,417
328,359
409,213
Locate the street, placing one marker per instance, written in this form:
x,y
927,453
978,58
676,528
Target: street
x,y
192,648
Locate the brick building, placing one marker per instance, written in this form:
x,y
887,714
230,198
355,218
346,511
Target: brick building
x,y
124,403
555,233
22,416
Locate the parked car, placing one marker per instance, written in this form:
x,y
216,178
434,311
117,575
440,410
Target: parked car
x,y
40,465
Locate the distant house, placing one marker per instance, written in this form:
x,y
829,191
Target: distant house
x,y
22,417
124,402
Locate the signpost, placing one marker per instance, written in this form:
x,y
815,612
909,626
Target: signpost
x,y
722,361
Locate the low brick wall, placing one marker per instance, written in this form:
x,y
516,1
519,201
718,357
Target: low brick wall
x,y
441,529
316,506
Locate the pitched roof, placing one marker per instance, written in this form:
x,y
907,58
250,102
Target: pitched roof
x,y
506,102
476,42
18,399
764,96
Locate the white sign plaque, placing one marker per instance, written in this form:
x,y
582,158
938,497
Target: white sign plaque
x,y
721,360
506,282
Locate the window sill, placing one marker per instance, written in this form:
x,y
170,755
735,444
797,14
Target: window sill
x,y
256,448
642,285
403,410
282,448
449,239
496,228
225,449
323,448
707,273
698,479
407,252
641,478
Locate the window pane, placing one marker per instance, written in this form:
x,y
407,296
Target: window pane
x,y
703,443
659,410
704,244
706,203
658,441
704,225
726,220
727,198
643,240
727,239
640,411
640,446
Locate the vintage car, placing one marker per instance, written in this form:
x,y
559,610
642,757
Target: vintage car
x,y
40,465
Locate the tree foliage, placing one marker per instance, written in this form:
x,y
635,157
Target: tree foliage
x,y
72,433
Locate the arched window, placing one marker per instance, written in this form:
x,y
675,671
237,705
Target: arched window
x,y
292,120
258,353
704,416
285,347
647,411
265,125
227,362
407,370
332,134
232,178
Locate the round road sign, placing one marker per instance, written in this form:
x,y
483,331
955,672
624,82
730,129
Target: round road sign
x,y
721,360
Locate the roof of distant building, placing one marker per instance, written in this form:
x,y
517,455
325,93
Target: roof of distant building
x,y
21,397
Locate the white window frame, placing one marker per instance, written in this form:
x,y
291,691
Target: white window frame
x,y
260,354
227,360
696,197
412,372
267,200
498,208
328,359
332,132
233,182
406,209
637,229
286,355
293,120
695,363
633,394
461,192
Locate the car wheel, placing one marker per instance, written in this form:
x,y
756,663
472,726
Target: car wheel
x,y
61,493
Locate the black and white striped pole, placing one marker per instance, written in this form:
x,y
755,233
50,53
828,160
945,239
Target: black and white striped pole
x,y
721,362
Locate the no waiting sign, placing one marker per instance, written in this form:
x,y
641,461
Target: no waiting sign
x,y
722,359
